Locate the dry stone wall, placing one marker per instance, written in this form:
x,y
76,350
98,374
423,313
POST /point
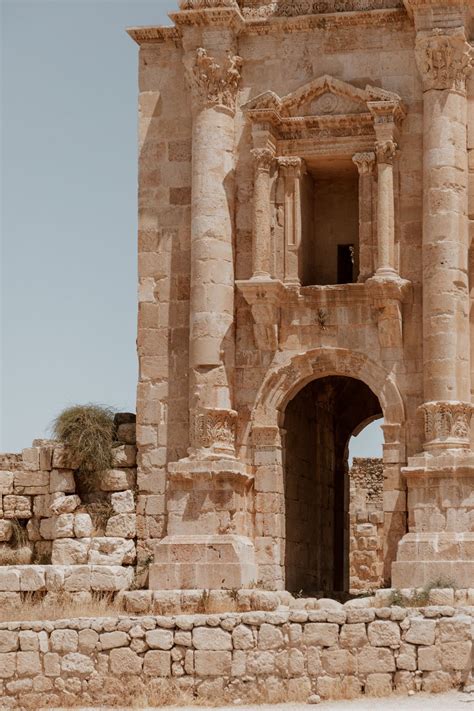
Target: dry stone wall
x,y
340,651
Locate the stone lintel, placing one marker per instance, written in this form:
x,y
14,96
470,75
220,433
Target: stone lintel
x,y
222,469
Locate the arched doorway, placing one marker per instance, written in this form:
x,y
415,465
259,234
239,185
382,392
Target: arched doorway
x,y
318,424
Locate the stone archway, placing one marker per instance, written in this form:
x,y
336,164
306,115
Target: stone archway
x,y
280,387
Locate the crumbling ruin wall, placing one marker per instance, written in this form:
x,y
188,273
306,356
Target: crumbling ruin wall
x,y
54,536
366,524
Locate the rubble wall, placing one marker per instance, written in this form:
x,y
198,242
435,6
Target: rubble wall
x,y
343,651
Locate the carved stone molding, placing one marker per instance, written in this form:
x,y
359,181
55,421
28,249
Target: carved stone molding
x,y
214,429
263,159
294,8
215,84
365,162
447,424
386,151
444,59
204,4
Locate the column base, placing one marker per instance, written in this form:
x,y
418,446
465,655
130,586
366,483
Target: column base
x,y
203,562
440,545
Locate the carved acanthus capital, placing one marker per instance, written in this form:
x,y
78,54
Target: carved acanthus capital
x,y
447,424
215,84
214,429
290,166
364,161
386,151
444,59
263,159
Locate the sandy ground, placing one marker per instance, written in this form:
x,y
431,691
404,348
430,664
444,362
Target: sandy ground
x,y
454,701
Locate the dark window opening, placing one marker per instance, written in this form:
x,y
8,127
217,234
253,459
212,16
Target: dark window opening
x,y
345,263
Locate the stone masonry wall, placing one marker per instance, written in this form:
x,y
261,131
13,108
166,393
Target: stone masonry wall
x,y
366,524
340,651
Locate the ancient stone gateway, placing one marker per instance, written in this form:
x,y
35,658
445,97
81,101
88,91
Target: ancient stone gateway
x,y
304,267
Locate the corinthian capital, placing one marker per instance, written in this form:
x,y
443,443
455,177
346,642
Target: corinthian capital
x,y
444,59
263,159
364,162
386,151
215,84
291,166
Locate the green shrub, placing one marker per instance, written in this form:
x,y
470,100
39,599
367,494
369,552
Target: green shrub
x,y
88,431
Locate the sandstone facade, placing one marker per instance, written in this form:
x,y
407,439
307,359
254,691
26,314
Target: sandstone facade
x,y
305,200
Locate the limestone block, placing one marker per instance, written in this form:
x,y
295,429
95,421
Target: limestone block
x,y
16,506
31,458
63,459
77,578
242,637
353,635
421,631
8,641
378,685
30,482
117,479
213,663
111,578
29,641
87,641
6,483
9,579
211,639
370,658
157,663
338,661
5,529
456,656
54,578
62,480
33,530
406,658
32,578
123,502
270,637
429,658
111,640
83,526
126,432
70,551
122,526
124,456
160,639
112,551
51,664
62,504
124,661
7,665
384,633
64,640
76,664
61,526
454,629
320,634
28,663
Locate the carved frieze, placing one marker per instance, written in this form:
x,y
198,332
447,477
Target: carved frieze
x,y
293,8
215,429
214,83
444,59
204,4
447,423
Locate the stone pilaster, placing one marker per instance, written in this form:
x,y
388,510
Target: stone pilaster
x,y
262,247
365,163
291,168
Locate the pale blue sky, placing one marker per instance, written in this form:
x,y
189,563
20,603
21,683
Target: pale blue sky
x,y
69,142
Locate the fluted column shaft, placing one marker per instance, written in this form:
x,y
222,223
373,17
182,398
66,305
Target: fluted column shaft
x,y
365,165
261,246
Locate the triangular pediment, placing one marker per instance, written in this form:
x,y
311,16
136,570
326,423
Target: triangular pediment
x,y
323,96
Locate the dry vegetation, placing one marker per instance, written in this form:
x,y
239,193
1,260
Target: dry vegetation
x,y
61,605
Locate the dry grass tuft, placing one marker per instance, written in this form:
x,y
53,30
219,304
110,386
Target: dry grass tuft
x,y
100,512
22,555
88,431
62,605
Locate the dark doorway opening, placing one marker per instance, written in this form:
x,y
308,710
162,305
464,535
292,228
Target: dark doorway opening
x,y
319,423
345,263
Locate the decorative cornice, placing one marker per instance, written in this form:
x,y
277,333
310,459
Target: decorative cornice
x,y
144,35
293,8
205,4
330,21
444,59
365,162
214,84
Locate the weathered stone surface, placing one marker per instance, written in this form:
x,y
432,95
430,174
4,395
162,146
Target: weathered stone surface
x,y
111,551
117,479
